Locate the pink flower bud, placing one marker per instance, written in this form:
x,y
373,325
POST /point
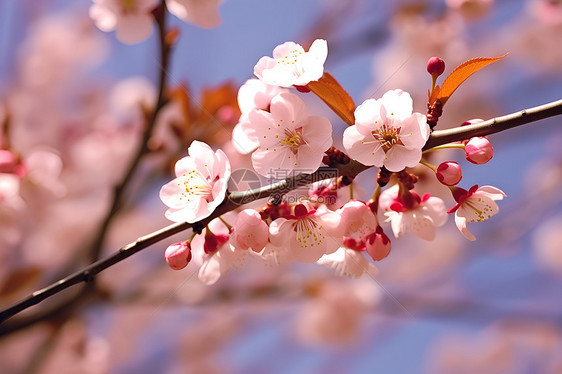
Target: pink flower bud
x,y
178,255
449,173
479,150
472,122
435,66
378,244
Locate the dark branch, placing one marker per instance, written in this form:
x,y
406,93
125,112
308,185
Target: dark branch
x,y
236,199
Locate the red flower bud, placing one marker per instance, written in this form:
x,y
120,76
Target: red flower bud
x,y
435,66
449,173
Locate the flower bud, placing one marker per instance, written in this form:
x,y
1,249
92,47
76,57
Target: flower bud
x,y
435,66
378,244
479,150
449,173
178,255
472,122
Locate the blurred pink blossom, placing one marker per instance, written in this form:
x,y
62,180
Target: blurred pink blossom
x,y
348,262
131,19
201,13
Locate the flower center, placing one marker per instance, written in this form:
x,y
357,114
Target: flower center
x,y
483,211
308,232
290,58
293,139
387,136
194,185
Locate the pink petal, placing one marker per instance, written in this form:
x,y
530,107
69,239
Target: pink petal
x,y
368,154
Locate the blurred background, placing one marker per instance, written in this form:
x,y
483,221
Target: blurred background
x,y
72,103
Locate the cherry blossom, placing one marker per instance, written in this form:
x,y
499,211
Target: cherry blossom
x,y
249,231
408,212
252,95
201,13
131,19
348,262
387,133
475,205
291,65
304,236
288,138
200,184
215,255
357,220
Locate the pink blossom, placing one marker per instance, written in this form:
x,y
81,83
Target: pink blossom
x,y
249,231
288,138
304,236
291,65
479,150
357,220
348,262
449,173
252,95
475,205
178,255
201,13
200,184
131,19
215,254
411,213
387,133
377,244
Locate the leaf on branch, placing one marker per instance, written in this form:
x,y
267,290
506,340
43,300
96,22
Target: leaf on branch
x,y
332,93
458,76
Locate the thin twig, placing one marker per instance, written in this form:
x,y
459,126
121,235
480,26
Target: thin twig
x,y
120,189
235,199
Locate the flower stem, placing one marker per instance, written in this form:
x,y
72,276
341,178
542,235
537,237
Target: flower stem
x,y
431,166
444,146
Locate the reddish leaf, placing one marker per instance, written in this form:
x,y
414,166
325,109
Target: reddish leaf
x,y
332,93
459,75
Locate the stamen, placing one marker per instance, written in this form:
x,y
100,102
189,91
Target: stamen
x,y
194,184
387,136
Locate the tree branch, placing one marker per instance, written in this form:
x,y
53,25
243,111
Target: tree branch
x,y
118,192
234,200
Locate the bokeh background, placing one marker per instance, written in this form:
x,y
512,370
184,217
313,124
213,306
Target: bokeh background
x,y
72,94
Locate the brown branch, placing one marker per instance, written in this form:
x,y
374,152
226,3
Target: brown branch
x,y
118,192
235,199
494,125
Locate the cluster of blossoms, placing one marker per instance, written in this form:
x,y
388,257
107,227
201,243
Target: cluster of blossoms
x,y
276,128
